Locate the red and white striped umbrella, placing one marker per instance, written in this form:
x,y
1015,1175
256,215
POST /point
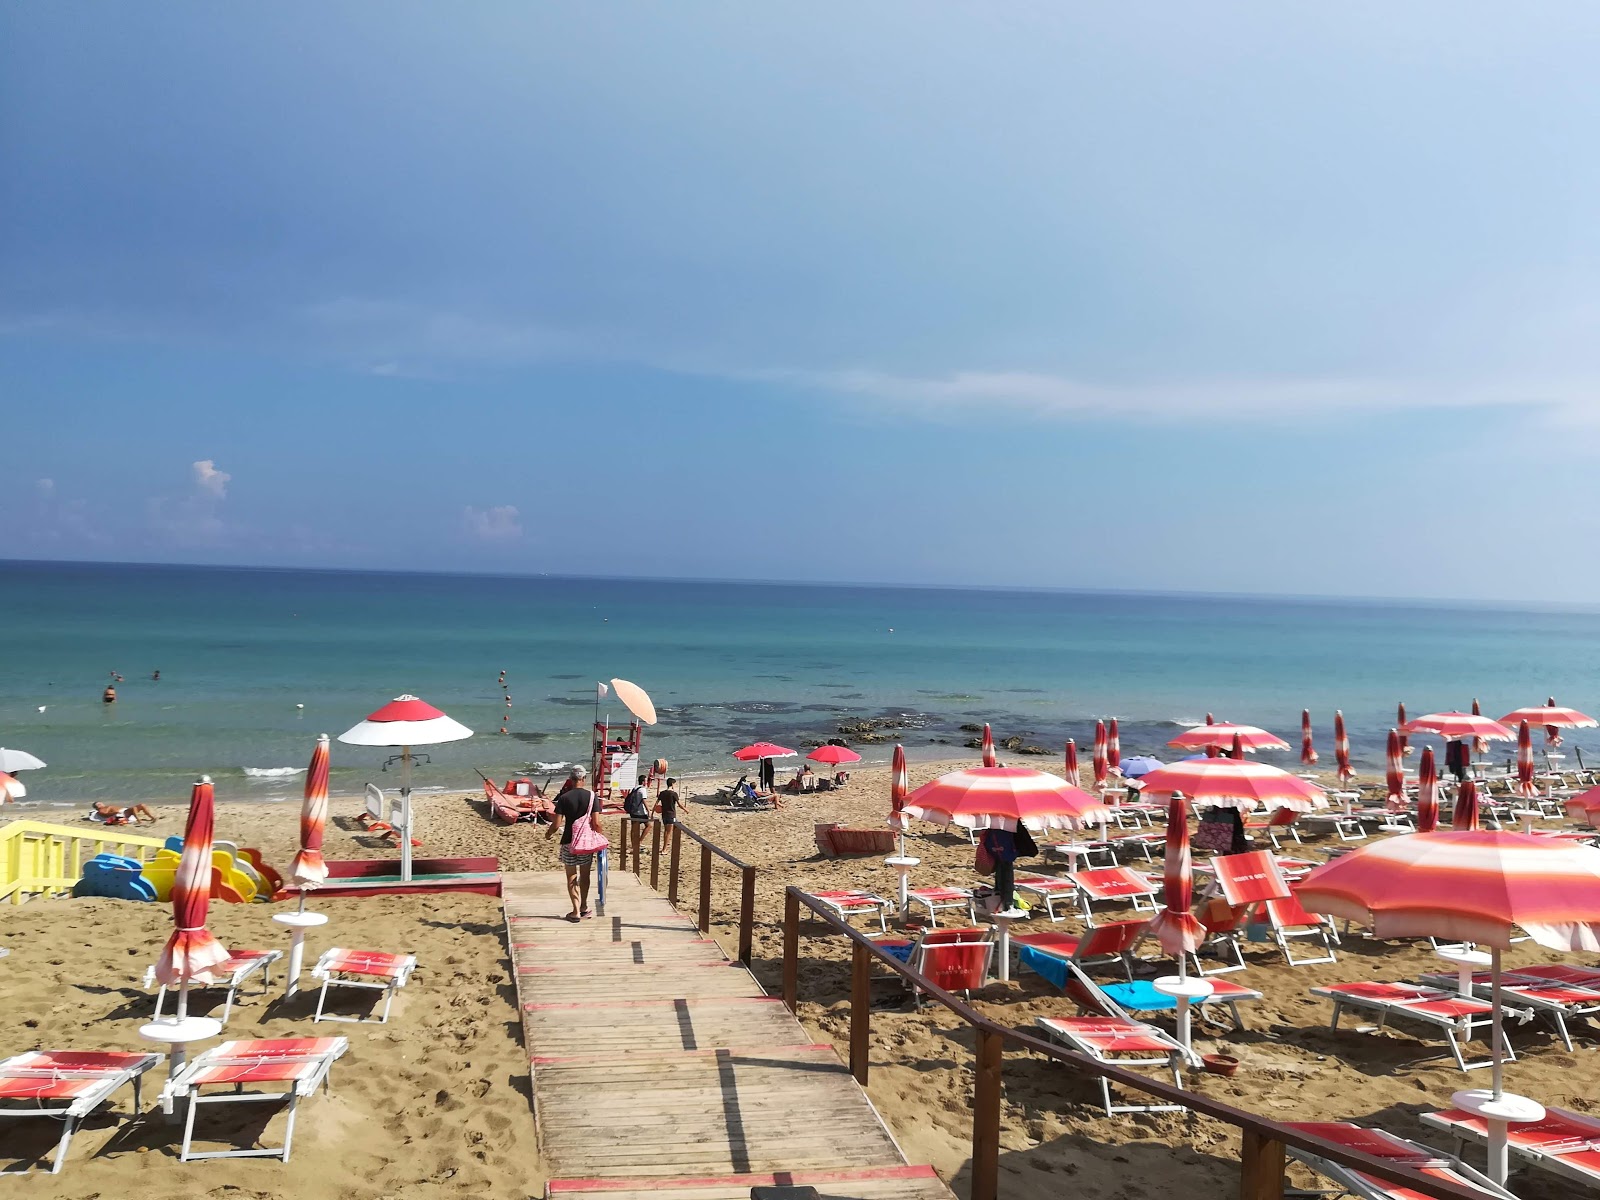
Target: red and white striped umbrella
x,y
1341,748
999,797
1234,783
1113,746
1202,737
989,760
1480,745
758,750
899,786
1585,806
1465,815
11,788
1394,774
1072,762
1308,750
1400,720
1554,719
1525,785
1102,761
1427,792
1211,747
192,954
1458,726
308,870
1175,927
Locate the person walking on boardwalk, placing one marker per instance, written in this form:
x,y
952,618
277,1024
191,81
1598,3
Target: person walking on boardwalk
x,y
576,804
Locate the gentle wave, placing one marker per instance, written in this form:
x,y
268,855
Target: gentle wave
x,y
544,768
271,772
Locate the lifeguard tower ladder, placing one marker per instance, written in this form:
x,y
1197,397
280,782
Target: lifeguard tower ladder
x,y
614,760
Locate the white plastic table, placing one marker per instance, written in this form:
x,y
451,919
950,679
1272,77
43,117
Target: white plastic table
x,y
1498,1113
1185,988
1004,919
177,1033
1467,960
901,864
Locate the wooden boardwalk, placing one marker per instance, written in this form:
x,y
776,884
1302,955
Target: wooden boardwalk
x,y
661,1069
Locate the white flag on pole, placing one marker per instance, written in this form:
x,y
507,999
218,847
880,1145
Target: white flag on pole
x,y
600,691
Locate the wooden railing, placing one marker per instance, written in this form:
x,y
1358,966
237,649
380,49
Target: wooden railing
x,y
1263,1142
39,858
673,835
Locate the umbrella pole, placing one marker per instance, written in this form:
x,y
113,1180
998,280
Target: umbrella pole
x,y
1498,1082
405,814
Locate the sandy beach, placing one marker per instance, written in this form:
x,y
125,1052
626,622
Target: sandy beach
x,y
439,1095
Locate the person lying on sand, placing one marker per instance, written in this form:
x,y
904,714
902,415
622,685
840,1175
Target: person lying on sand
x,y
114,814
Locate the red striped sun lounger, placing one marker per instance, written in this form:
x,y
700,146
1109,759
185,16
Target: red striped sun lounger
x,y
1115,885
299,1064
1047,889
1457,1016
1558,1001
853,902
1565,1143
369,970
67,1085
1381,1144
940,899
238,969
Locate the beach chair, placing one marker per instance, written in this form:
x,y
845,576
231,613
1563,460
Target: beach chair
x,y
953,959
853,903
1047,889
1381,1144
1148,844
1137,996
1113,885
1455,1015
941,899
301,1064
1553,999
240,965
1287,920
368,970
1224,926
1565,1143
1112,942
67,1085
1279,820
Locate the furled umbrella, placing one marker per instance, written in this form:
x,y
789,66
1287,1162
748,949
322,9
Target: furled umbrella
x,y
1427,792
1113,746
1476,886
308,869
1400,721
1211,748
1552,716
989,760
1394,774
1072,762
1234,783
1176,928
899,786
1480,745
1341,749
1464,817
11,788
1308,750
1102,760
1222,736
192,954
1525,786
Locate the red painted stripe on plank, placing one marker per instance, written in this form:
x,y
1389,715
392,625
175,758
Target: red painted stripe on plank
x,y
660,1055
780,1179
660,1003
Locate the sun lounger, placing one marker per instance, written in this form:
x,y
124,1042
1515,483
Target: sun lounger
x,y
1457,1016
1047,889
1558,1001
853,903
1381,1144
1149,845
1278,820
1112,942
956,960
834,840
369,970
1565,1143
1115,885
240,966
940,899
1288,920
299,1063
67,1085
1137,996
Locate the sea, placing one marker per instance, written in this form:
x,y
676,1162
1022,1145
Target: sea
x,y
255,663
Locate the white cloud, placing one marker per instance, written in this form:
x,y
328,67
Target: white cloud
x,y
210,480
46,487
499,524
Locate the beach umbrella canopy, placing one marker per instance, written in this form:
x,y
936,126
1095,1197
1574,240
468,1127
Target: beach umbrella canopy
x,y
1585,806
1308,750
1553,717
405,721
1140,765
1341,749
635,700
1427,793
12,761
1457,726
1234,783
11,788
1394,774
1000,797
758,750
1222,736
1176,928
192,954
989,760
308,869
1113,746
1072,762
1400,721
1465,815
1525,785
1102,760
833,756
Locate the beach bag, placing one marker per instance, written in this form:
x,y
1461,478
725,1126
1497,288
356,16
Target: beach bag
x,y
985,861
1216,836
587,838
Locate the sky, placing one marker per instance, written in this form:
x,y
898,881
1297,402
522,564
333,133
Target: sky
x,y
1227,297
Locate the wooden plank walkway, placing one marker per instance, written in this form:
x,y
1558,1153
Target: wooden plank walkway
x,y
661,1069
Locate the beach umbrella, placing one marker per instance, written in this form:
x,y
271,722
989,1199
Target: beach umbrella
x,y
1222,736
308,869
1479,745
1102,761
11,788
760,750
1175,927
405,722
12,761
833,756
1234,783
1585,806
1072,762
1000,797
1308,751
1394,775
1465,815
1427,793
1525,785
1549,714
1341,748
192,954
635,700
1113,746
1400,721
989,760
1140,765
1458,726
899,786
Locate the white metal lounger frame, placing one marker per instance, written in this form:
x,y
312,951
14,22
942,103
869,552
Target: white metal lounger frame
x,y
1356,1184
935,907
1122,1059
331,976
1518,990
868,903
1453,1028
306,1085
261,962
1067,890
1544,1159
79,1106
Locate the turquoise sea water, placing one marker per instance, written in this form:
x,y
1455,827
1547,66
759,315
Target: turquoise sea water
x,y
239,650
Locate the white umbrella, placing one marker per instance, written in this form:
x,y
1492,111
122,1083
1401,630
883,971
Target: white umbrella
x,y
405,722
12,761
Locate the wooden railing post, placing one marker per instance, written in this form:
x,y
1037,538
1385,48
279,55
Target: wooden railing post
x,y
860,1011
1260,1167
638,848
622,845
791,951
747,915
672,866
986,1116
655,856
705,888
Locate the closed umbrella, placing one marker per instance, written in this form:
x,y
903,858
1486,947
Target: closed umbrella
x,y
1465,815
1480,745
899,786
1177,930
1308,751
308,868
989,760
1427,793
1400,722
1102,761
1394,773
1113,746
1341,749
192,954
1072,762
1525,785
1211,747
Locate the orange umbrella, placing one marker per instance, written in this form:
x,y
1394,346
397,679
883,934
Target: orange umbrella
x,y
634,700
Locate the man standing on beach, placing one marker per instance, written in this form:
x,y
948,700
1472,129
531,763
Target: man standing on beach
x,y
667,802
572,806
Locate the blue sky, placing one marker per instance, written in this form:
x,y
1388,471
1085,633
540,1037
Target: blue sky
x,y
1229,297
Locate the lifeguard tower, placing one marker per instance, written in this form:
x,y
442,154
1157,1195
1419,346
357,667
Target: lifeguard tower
x,y
615,754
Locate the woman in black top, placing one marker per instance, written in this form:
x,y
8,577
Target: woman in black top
x,y
574,805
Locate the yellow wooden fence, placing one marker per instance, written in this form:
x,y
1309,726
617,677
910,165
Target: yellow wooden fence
x,y
39,859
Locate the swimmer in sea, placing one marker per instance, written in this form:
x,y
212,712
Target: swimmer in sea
x,y
155,676
109,696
